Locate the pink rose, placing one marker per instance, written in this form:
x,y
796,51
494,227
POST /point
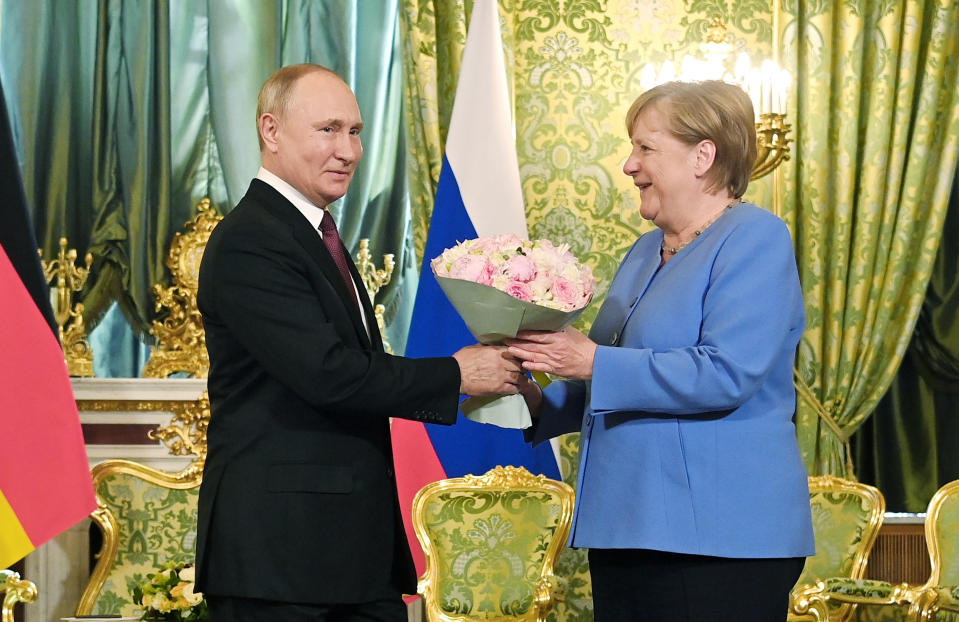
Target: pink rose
x,y
520,291
520,268
486,276
469,268
566,292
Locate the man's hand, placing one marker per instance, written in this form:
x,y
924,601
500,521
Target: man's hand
x,y
488,370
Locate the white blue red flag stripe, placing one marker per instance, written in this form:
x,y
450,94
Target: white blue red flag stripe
x,y
479,194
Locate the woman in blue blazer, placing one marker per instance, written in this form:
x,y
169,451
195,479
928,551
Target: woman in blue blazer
x,y
692,496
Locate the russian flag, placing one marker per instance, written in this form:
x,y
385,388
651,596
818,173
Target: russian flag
x,y
45,484
479,194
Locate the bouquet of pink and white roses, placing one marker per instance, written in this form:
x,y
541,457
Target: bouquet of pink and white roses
x,y
503,284
531,271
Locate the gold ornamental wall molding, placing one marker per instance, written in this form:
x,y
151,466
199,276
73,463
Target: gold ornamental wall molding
x,y
180,340
184,435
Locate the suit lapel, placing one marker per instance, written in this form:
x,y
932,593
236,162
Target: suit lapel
x,y
313,244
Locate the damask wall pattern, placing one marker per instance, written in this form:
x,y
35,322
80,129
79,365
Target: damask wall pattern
x,y
574,68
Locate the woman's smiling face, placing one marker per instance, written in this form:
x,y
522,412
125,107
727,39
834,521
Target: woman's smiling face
x,y
662,167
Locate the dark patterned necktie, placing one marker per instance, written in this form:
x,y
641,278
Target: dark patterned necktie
x,y
332,240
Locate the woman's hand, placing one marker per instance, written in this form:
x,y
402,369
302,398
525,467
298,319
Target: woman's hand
x,y
567,353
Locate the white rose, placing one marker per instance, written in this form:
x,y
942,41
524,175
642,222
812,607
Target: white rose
x,y
190,596
188,574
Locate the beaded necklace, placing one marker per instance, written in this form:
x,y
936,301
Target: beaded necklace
x,y
672,250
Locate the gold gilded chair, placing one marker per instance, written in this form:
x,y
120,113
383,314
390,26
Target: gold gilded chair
x,y
938,598
846,520
147,517
181,342
15,590
491,545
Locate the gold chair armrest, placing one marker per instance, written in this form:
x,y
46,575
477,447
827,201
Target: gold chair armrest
x,y
16,590
931,600
808,602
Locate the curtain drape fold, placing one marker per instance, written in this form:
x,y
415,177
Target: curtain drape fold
x,y
131,111
907,447
876,97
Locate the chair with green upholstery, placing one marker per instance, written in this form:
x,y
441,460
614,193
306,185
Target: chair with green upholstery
x,y
148,518
846,520
939,598
491,545
935,600
15,590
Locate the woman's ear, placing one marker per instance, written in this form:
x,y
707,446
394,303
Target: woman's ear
x,y
704,154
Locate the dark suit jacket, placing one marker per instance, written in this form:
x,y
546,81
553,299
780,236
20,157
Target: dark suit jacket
x,y
298,501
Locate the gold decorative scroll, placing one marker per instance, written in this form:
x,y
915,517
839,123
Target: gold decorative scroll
x,y
14,590
185,434
772,143
70,279
374,279
180,341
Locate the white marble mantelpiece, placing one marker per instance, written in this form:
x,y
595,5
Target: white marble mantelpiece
x,y
117,413
139,389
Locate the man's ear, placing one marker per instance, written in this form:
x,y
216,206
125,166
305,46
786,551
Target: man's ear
x,y
268,126
705,155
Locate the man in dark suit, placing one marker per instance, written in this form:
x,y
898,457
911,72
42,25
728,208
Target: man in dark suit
x,y
298,511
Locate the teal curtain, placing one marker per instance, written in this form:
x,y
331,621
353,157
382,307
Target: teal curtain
x,y
907,448
128,112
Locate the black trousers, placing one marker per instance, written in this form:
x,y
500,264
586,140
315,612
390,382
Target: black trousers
x,y
635,585
229,609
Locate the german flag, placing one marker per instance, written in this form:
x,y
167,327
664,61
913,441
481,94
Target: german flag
x,y
45,484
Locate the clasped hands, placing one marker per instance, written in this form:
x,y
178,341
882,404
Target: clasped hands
x,y
500,370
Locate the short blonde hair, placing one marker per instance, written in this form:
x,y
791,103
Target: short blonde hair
x,y
709,110
276,94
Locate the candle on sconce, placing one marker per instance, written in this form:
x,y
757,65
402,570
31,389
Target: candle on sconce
x,y
784,81
755,89
768,70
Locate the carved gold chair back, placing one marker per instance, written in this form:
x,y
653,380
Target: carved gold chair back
x,y
938,599
491,545
147,518
847,516
15,590
181,344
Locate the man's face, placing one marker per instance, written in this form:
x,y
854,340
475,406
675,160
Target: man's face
x,y
317,142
